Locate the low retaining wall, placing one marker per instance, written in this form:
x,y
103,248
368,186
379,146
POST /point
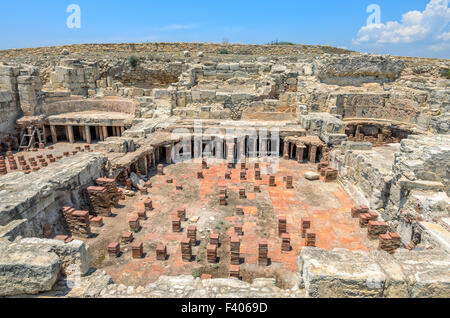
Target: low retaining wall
x,y
38,198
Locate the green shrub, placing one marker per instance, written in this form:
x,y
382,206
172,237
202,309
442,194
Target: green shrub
x,y
281,43
196,274
223,51
133,60
447,74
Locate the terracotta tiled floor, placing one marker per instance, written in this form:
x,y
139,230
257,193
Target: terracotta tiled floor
x,y
326,204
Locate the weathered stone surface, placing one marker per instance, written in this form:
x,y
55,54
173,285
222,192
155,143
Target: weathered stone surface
x,y
39,199
74,256
27,270
312,176
340,273
427,272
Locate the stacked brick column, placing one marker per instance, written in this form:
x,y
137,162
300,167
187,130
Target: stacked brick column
x,y
234,271
114,249
235,248
376,228
148,203
289,182
137,249
161,252
176,224
365,218
263,250
272,182
100,200
133,222
286,242
181,213
390,242
192,234
3,170
238,229
127,237
186,250
310,238
306,225
258,175
282,225
111,187
214,239
77,221
358,210
211,253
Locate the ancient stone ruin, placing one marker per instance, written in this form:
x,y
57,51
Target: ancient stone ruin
x,y
269,171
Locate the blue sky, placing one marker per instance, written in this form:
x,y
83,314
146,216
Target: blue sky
x,y
407,27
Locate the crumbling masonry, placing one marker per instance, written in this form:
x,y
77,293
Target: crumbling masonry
x,y
169,165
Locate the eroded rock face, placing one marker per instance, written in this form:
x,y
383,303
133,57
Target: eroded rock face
x,y
74,256
342,273
27,270
32,266
356,70
426,272
34,200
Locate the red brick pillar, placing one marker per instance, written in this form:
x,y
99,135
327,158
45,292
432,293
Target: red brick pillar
x,y
137,249
235,247
186,250
263,250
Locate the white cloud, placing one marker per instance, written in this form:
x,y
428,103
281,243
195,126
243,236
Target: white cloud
x,y
441,47
444,36
414,27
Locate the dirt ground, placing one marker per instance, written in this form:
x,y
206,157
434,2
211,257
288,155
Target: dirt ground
x,y
326,204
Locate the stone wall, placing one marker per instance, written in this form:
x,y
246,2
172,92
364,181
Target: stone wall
x,y
342,273
32,266
104,105
39,199
410,187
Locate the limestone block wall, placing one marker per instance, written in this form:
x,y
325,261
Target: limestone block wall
x,y
10,113
32,266
76,76
342,273
39,200
363,172
420,187
414,187
330,128
21,88
102,105
357,70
